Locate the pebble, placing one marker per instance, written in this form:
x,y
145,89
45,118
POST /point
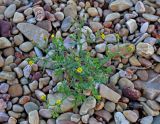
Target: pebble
x,y
87,105
92,120
109,94
39,13
144,49
18,39
95,26
12,120
18,17
17,108
114,79
45,113
75,118
104,114
112,16
26,46
134,61
146,120
111,38
66,24
120,119
92,11
132,25
3,117
30,106
120,5
4,87
139,7
59,16
4,43
33,86
144,27
5,28
150,17
27,71
3,105
124,82
15,90
131,93
110,106
131,115
33,117
85,118
70,10
142,74
153,105
100,48
10,10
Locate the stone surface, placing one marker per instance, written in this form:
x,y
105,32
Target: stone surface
x,y
39,13
34,33
4,43
45,113
104,114
15,90
3,117
10,10
26,46
92,11
30,106
5,28
124,82
131,115
109,94
147,120
66,24
18,17
139,7
132,25
70,10
33,117
112,17
120,119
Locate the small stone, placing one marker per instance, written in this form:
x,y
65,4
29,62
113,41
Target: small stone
x,y
3,105
120,119
131,115
28,11
4,43
18,17
17,108
45,113
95,26
45,24
92,11
10,10
5,28
114,79
157,68
120,5
27,71
64,117
156,57
12,120
156,120
4,88
66,24
146,120
19,72
24,99
109,94
3,117
124,82
75,118
134,61
144,27
112,16
145,62
14,114
87,105
150,17
33,117
70,10
100,48
26,46
153,105
85,118
139,7
131,93
48,2
33,86
110,106
59,16
92,120
145,50
30,106
18,39
132,25
15,90
40,95
43,82
104,114
39,13
142,74
111,38
148,110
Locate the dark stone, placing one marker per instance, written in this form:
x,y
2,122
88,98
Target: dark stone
x,y
5,28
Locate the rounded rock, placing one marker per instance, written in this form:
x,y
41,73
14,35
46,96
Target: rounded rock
x,y
26,46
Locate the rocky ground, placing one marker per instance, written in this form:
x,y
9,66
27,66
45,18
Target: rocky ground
x,y
137,22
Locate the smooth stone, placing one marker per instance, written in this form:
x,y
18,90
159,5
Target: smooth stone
x,y
39,13
110,106
66,24
12,120
120,119
153,105
111,38
156,57
92,11
27,71
34,33
5,28
131,115
4,43
4,88
87,105
15,90
10,10
146,120
38,52
144,49
33,117
17,108
59,16
95,26
104,114
100,48
150,40
30,106
70,10
26,46
92,120
75,118
114,79
18,39
134,61
39,94
33,86
109,94
132,25
18,17
124,82
144,27
150,17
45,24
64,117
19,72
85,118
3,117
112,16
139,7
142,74
45,113
3,105
120,5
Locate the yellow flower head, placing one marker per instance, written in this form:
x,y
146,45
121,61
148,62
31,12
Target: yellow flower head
x,y
43,97
79,70
131,48
103,36
98,97
30,62
59,102
52,36
77,58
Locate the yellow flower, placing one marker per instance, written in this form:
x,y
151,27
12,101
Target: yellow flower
x,y
30,62
45,38
103,36
79,70
43,97
52,36
59,102
131,48
98,97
